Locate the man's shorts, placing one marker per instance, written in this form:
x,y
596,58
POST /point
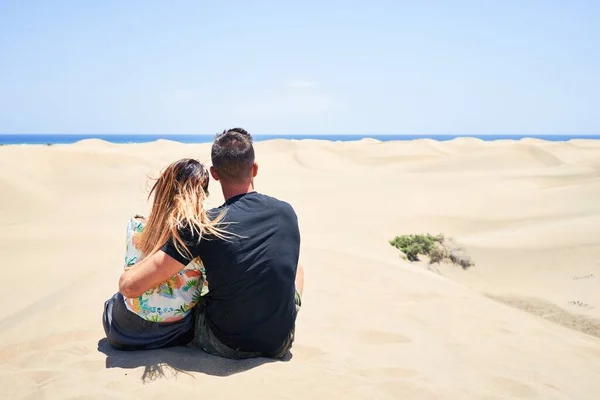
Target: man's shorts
x,y
297,300
207,341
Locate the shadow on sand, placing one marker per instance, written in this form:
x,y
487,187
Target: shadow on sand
x,y
169,362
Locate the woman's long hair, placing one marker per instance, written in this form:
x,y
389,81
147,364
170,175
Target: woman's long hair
x,y
179,203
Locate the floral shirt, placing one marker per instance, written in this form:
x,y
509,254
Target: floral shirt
x,y
174,298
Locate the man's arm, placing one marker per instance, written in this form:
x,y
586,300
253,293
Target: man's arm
x,y
148,274
299,281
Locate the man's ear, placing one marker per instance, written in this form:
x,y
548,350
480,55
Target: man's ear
x,y
254,170
214,174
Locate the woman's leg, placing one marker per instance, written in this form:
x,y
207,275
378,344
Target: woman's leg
x,y
128,331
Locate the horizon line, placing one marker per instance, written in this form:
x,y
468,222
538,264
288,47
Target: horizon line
x,y
298,134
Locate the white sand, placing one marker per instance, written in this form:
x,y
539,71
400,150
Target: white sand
x,y
372,325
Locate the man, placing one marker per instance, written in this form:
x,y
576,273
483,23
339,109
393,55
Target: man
x,y
255,280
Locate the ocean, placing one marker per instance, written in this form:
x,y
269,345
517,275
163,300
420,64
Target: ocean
x,y
6,139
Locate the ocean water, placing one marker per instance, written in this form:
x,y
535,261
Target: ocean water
x,y
6,139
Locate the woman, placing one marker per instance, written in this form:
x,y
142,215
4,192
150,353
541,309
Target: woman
x,y
161,316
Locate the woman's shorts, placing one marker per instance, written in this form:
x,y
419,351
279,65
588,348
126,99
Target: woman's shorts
x,y
128,331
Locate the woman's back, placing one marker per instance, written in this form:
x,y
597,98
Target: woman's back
x,y
174,298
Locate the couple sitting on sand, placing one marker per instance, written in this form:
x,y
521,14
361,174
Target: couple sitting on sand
x,y
248,249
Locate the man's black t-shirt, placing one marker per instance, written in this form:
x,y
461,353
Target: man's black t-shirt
x,y
250,304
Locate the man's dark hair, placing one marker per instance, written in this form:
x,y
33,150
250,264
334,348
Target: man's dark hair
x,y
233,155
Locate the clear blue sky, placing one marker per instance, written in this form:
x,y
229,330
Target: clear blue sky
x,y
371,66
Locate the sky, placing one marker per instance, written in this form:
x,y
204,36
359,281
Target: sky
x,y
283,67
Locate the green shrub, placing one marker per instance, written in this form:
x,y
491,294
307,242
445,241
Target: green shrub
x,y
437,248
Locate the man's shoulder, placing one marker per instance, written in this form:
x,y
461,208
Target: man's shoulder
x,y
256,202
217,212
275,202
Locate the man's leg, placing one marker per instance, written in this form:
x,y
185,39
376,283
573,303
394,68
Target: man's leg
x,y
287,345
205,339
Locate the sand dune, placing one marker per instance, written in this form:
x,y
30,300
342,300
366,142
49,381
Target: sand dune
x,y
523,323
96,143
502,158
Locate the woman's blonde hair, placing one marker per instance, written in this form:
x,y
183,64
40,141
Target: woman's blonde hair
x,y
179,204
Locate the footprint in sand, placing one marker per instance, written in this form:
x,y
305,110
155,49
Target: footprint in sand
x,y
307,352
512,387
576,278
380,337
580,304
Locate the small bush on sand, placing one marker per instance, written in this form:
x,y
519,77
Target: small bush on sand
x,y
437,248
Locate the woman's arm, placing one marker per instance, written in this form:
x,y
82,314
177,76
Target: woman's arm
x,y
148,274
